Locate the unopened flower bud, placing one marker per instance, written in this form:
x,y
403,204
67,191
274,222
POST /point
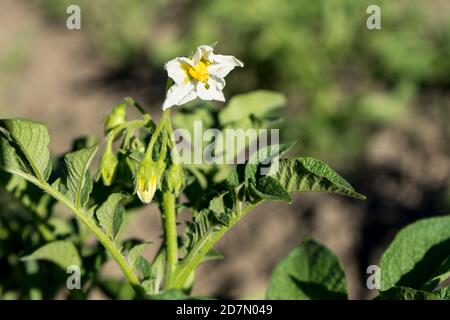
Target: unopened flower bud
x,y
116,117
108,166
175,178
147,180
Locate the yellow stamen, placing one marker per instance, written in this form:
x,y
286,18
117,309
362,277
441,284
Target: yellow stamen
x,y
146,188
199,72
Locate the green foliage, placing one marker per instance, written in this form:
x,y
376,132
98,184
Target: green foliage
x,y
342,79
110,215
419,255
117,289
28,147
414,267
260,103
61,252
78,180
404,293
314,51
135,253
311,175
309,272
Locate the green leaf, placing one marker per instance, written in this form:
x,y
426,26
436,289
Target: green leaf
x,y
311,175
135,253
405,293
61,252
78,180
30,140
309,272
217,205
254,110
9,161
116,289
39,204
212,254
233,180
270,189
206,222
153,274
443,293
259,103
266,157
186,118
143,267
418,252
248,174
219,208
110,215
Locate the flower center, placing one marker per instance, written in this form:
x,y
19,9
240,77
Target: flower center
x,y
199,72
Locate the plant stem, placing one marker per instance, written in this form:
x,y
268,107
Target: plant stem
x,y
170,233
149,152
133,124
132,102
103,238
193,259
90,224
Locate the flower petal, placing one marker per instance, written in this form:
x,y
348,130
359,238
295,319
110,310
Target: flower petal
x,y
176,69
213,91
222,65
202,52
179,94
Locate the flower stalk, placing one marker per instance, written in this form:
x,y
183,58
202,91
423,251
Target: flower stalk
x,y
170,235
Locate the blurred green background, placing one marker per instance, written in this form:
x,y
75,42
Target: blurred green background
x,y
374,104
340,77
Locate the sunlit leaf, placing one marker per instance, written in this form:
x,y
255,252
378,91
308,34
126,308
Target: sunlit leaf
x,y
309,272
405,293
311,175
61,252
418,254
78,179
110,215
30,140
135,253
259,103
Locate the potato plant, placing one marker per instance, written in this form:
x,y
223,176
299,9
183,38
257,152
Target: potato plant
x,y
140,164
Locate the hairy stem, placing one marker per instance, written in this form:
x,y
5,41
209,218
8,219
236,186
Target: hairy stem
x,y
149,152
170,234
195,256
90,224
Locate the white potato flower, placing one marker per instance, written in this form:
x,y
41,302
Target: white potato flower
x,y
200,76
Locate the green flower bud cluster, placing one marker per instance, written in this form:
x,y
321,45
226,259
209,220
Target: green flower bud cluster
x,y
151,174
